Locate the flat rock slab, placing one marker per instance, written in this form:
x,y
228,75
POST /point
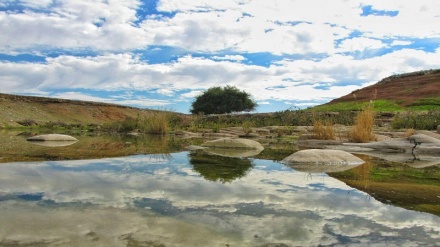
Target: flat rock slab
x,y
52,137
233,153
425,145
234,143
323,157
53,143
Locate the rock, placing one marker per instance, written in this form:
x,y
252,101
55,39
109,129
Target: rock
x,y
315,143
219,134
323,157
423,139
187,134
233,153
52,137
322,161
419,143
53,143
234,143
416,161
194,147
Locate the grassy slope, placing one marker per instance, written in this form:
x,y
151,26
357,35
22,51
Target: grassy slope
x,y
42,110
412,91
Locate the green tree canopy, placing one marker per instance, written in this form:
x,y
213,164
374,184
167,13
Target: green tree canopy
x,y
218,100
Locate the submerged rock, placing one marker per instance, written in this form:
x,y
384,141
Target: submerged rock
x,y
52,137
234,143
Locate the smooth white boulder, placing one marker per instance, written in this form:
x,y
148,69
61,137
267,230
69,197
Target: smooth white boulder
x,y
323,157
52,137
322,161
234,143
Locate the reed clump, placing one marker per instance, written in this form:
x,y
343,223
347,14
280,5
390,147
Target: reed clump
x,y
155,123
323,130
362,130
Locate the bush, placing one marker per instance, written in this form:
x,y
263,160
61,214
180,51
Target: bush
x,y
323,130
27,122
417,120
156,123
362,131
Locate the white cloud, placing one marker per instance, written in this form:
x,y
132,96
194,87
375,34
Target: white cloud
x,y
230,57
318,41
401,42
100,25
360,44
127,72
279,26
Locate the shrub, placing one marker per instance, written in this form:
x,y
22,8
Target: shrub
x,y
417,120
27,122
156,123
323,130
362,131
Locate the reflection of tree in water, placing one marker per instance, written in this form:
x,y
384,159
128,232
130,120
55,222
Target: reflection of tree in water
x,y
218,168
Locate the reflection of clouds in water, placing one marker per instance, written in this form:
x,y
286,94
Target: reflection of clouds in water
x,y
271,203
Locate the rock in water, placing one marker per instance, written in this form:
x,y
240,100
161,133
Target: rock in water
x,y
323,157
322,161
234,143
233,147
52,137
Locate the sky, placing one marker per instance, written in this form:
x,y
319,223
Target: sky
x,y
161,54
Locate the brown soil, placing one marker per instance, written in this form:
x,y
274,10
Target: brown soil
x,y
405,89
15,108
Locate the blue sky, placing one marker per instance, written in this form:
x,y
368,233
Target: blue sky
x,y
160,54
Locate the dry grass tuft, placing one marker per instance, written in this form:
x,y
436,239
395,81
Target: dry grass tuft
x,y
362,131
323,130
409,132
156,123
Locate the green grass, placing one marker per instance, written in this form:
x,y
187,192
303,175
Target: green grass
x,y
381,105
426,104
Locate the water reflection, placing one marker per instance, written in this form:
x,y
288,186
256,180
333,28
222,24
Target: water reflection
x,y
153,200
219,168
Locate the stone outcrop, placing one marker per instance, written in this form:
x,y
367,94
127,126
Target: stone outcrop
x,y
418,143
322,161
233,147
52,137
234,143
52,140
323,157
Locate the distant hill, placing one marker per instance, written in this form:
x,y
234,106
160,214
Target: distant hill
x,y
18,109
404,89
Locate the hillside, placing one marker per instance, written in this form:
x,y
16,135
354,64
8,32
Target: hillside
x,y
16,109
405,89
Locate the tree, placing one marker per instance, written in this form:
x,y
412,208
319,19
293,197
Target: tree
x,y
218,100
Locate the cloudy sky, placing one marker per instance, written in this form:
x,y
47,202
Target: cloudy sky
x,y
162,53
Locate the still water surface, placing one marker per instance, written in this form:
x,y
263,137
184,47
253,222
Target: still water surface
x,y
195,199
